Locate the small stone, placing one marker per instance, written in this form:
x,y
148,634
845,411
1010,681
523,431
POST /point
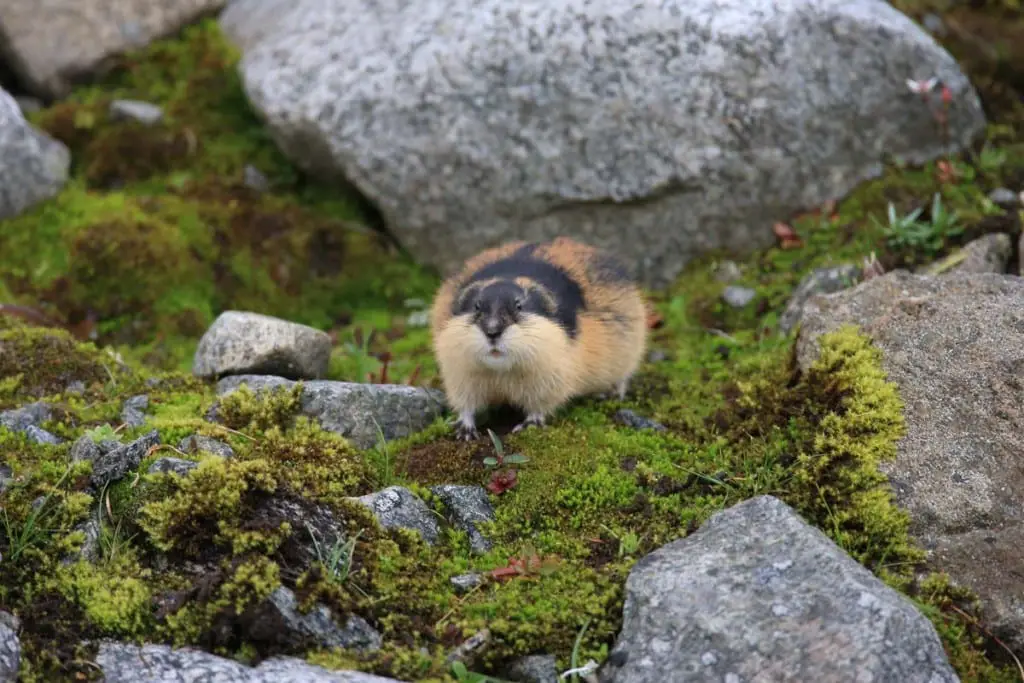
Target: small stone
x,y
77,388
34,167
468,506
1004,198
176,466
727,272
133,411
278,620
10,647
418,319
657,356
197,444
90,548
41,436
464,583
820,281
254,179
240,343
114,464
533,669
738,297
134,110
399,508
628,418
20,419
85,448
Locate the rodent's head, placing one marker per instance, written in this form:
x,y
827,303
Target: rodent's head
x,y
506,320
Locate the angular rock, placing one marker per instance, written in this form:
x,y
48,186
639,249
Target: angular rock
x,y
356,410
113,465
176,466
315,528
133,413
533,669
399,508
33,166
467,507
463,583
954,346
133,110
85,448
41,436
758,594
820,281
54,44
988,254
633,125
10,647
126,663
279,621
198,444
240,343
31,415
628,418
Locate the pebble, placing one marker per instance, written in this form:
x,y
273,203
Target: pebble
x,y
738,297
728,271
254,179
134,110
1005,198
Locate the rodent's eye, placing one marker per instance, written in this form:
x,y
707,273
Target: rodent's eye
x,y
476,305
519,304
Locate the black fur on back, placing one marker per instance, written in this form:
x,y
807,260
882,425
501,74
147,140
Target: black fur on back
x,y
567,292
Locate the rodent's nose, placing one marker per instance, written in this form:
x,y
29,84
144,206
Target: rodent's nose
x,y
493,329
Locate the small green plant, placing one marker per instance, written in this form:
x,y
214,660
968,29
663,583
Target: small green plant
x,y
337,558
502,459
31,532
380,456
102,433
464,675
912,234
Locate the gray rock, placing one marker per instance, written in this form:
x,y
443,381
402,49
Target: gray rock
x,y
758,594
254,179
738,297
20,419
113,465
176,466
533,669
241,343
133,110
198,444
33,166
633,125
278,620
41,436
85,448
954,346
1005,198
10,647
468,506
464,583
6,477
356,410
628,418
77,387
313,526
54,44
399,508
988,254
819,281
133,413
90,548
127,663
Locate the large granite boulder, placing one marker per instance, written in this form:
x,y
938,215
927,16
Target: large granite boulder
x,y
757,594
659,130
954,345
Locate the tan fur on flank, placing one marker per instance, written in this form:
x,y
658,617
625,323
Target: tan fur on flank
x,y
544,367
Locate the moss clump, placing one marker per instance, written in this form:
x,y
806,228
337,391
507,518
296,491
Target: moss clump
x,y
259,411
114,597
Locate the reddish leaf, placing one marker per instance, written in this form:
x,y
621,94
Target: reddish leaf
x,y
788,239
502,481
945,172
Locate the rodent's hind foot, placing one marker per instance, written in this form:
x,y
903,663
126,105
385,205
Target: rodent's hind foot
x,y
532,420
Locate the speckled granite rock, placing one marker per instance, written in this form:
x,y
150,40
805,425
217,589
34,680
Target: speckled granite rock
x,y
397,507
954,345
657,130
33,166
124,663
241,343
757,594
52,43
355,410
10,647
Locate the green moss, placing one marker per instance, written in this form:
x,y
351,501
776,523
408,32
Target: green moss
x,y
114,597
248,409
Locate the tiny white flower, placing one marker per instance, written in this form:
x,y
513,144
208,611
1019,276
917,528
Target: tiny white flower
x,y
921,87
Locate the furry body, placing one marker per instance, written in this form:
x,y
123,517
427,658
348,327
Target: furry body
x,y
534,325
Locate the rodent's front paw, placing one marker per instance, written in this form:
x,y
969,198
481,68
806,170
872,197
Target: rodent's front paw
x,y
466,433
530,421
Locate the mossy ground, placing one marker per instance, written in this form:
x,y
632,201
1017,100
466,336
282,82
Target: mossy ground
x,y
143,248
